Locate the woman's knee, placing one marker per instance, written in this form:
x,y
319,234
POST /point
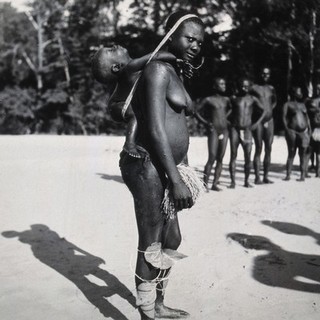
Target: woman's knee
x,y
150,226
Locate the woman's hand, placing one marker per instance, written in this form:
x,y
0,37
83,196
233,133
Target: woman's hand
x,y
182,196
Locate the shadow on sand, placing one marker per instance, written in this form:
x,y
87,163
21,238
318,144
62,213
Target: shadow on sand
x,y
280,268
292,228
75,264
110,177
277,171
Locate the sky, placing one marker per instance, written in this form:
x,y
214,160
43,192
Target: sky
x,y
224,25
19,4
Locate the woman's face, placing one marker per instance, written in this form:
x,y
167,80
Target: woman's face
x,y
297,92
186,42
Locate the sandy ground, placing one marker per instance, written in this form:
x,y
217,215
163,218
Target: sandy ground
x,y
68,238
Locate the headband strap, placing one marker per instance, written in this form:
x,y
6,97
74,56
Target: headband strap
x,y
160,45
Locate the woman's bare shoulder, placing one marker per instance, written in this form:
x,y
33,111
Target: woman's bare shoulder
x,y
157,69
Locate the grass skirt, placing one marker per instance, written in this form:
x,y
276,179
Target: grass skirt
x,y
192,181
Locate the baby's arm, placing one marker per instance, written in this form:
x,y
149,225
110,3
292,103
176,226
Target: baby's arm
x,y
138,64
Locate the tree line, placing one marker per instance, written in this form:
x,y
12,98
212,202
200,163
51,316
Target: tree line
x,y
46,85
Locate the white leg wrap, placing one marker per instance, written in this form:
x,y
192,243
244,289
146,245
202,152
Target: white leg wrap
x,y
146,297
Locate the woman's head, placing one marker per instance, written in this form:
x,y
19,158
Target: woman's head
x,y
177,15
186,41
108,62
296,93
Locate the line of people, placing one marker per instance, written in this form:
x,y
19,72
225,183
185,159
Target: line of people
x,y
247,117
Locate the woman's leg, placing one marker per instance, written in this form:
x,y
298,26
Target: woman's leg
x,y
147,188
304,143
171,239
292,148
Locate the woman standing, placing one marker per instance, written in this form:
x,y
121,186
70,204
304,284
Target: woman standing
x,y
160,105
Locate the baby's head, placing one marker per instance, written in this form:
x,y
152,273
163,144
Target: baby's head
x,y
108,62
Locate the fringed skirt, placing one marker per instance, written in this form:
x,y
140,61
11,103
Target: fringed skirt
x,y
192,181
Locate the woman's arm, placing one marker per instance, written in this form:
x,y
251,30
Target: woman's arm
x,y
156,81
284,117
274,97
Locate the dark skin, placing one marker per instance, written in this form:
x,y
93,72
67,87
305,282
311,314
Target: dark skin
x,y
297,130
215,110
160,105
243,106
127,70
264,132
314,116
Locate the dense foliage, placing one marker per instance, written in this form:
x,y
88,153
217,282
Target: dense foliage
x,y
46,84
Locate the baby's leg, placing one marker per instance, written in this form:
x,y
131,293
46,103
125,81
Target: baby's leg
x,y
131,133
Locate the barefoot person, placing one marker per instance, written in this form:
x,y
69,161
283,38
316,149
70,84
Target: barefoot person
x,y
243,108
297,131
265,130
113,64
314,116
213,112
159,184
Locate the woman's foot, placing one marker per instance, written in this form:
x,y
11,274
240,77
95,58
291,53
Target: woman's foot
x,y
163,312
